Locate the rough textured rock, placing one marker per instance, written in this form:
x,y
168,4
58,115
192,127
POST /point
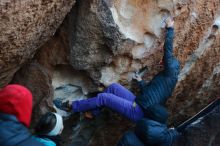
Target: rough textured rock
x,y
96,45
38,73
36,78
110,132
103,130
95,37
66,75
191,99
104,41
48,75
203,132
139,22
25,26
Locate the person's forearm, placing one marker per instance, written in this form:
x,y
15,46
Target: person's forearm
x,y
168,46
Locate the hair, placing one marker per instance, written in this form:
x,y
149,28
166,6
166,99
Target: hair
x,y
46,123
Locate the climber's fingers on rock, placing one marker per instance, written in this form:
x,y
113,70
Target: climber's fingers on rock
x,y
169,22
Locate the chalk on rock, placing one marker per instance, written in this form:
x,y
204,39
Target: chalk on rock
x,y
148,39
217,23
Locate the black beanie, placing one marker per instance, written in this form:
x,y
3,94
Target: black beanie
x,y
157,113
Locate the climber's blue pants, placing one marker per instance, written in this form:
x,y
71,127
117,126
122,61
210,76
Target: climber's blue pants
x,y
116,98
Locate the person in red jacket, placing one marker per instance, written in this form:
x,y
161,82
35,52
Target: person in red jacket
x,y
15,116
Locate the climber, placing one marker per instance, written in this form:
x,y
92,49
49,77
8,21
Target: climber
x,y
151,130
49,128
121,100
15,116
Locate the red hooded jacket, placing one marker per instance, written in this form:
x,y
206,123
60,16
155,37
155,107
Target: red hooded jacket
x,y
16,100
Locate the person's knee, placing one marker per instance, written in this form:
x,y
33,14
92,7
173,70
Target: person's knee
x,y
104,98
103,95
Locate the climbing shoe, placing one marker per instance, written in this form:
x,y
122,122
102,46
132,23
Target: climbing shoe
x,y
62,105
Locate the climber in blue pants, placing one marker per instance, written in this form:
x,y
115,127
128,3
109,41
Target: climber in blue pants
x,y
124,102
117,98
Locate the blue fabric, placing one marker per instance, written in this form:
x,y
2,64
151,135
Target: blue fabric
x,y
162,85
155,133
173,136
30,142
157,113
130,139
56,139
45,141
115,97
14,133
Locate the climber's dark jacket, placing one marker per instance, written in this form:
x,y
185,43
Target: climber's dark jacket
x,y
149,133
153,133
130,139
14,133
162,85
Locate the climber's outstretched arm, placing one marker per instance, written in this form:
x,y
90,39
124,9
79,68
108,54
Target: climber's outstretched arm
x,y
171,64
168,45
168,48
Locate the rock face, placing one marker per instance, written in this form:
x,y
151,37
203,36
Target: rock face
x,y
95,38
37,79
194,98
25,26
203,132
111,39
105,41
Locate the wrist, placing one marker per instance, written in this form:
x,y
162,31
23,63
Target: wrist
x,y
139,80
169,27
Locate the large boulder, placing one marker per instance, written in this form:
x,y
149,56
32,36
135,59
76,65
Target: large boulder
x,y
111,39
37,79
25,26
203,132
37,74
48,75
94,37
198,85
105,41
100,27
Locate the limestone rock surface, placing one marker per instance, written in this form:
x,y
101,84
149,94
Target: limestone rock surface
x,y
25,25
140,25
203,132
94,36
112,39
37,79
105,41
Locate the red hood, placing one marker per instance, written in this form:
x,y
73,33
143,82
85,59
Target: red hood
x,y
16,100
